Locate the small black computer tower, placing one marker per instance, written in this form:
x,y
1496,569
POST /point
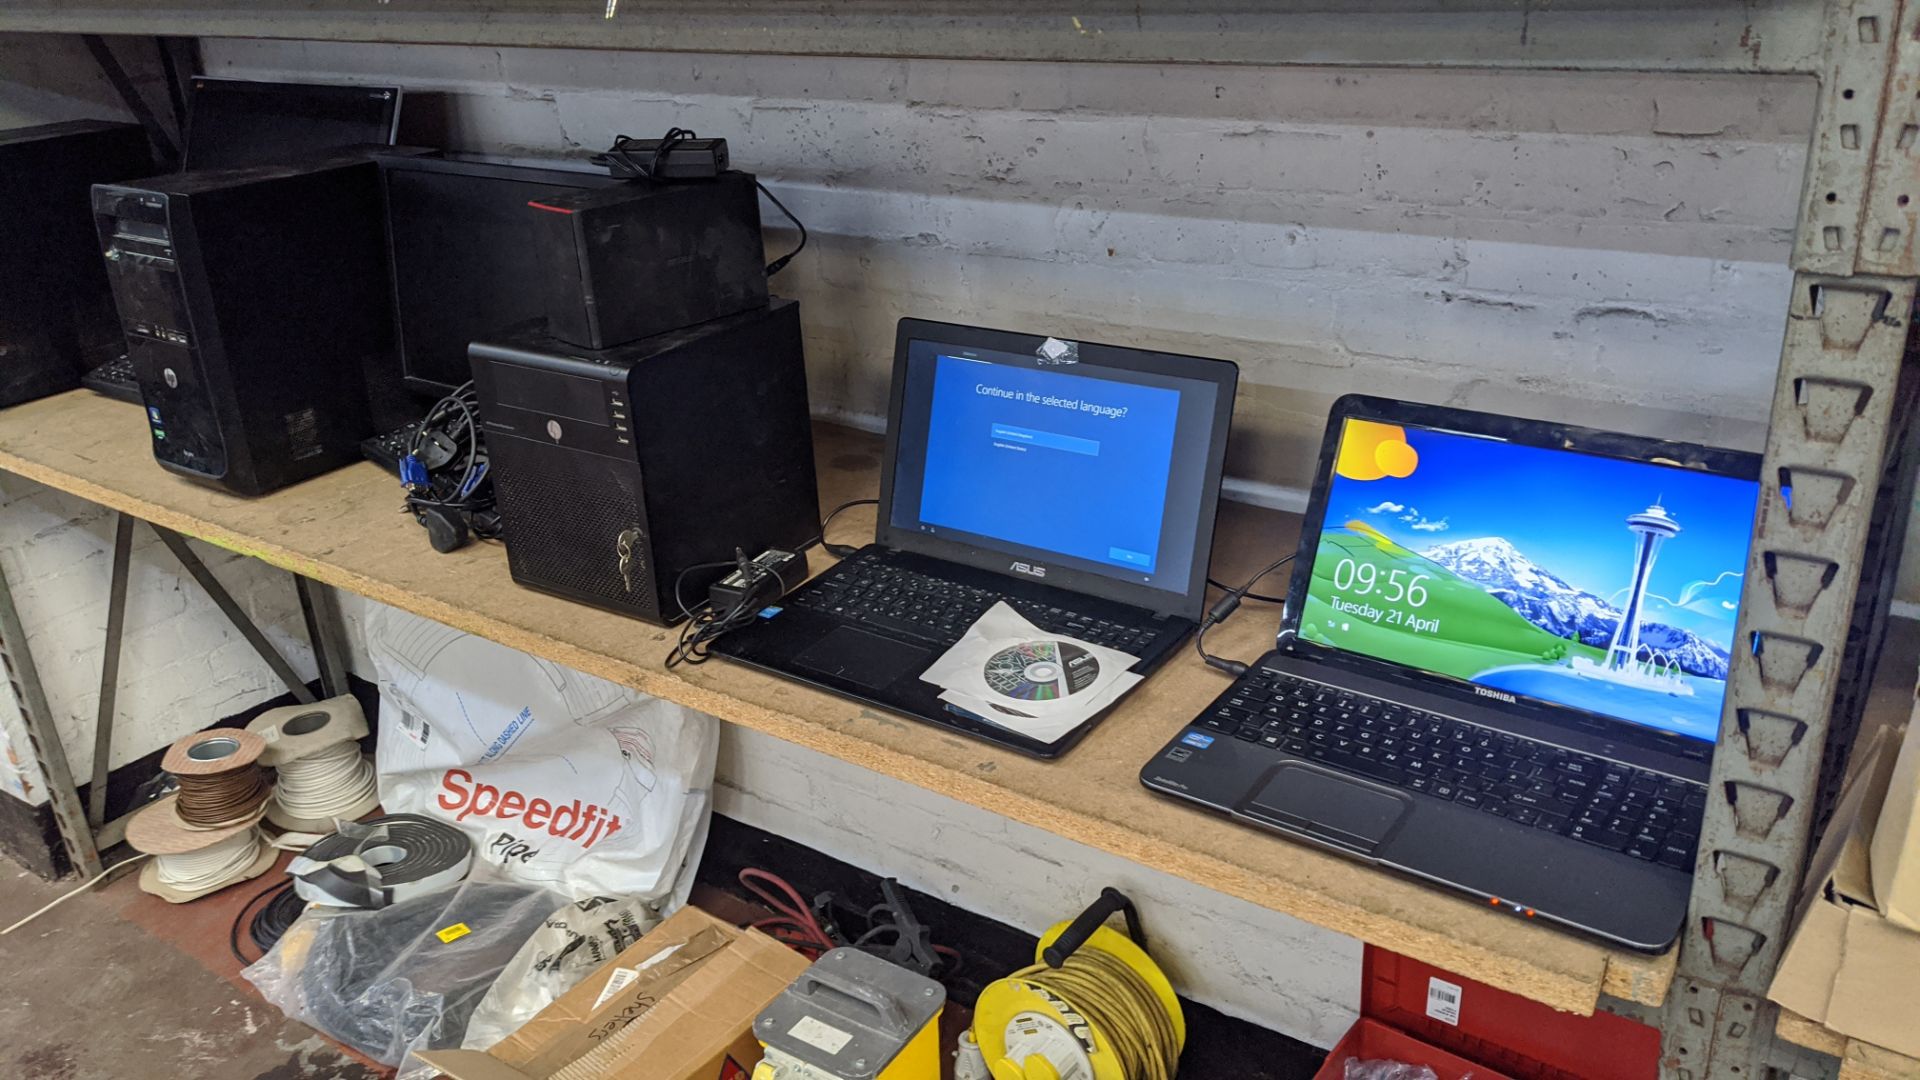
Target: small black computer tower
x,y
56,313
628,261
617,469
254,300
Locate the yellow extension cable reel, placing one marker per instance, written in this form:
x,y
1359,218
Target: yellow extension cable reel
x,y
1095,1007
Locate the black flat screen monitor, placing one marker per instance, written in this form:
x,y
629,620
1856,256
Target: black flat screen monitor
x,y
233,123
460,236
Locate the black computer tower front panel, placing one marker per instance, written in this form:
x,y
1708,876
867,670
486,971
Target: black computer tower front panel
x,y
252,301
576,523
164,345
56,313
616,470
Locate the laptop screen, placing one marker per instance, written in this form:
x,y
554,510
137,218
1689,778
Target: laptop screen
x,y
1604,584
1089,467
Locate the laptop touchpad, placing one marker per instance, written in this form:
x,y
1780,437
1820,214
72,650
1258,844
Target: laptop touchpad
x,y
865,659
1326,807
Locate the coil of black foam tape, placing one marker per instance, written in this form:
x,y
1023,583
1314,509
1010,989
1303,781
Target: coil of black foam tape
x,y
381,861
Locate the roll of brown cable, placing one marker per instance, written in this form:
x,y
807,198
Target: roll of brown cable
x,y
221,780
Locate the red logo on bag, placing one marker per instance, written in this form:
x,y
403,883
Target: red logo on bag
x,y
732,1070
574,820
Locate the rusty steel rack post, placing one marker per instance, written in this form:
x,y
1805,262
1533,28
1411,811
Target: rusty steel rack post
x,y
1836,407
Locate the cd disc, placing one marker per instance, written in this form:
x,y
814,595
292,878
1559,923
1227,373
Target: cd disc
x,y
1041,670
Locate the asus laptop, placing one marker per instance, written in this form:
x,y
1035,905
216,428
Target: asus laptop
x,y
1501,664
1077,482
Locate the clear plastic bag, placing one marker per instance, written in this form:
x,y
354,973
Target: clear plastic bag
x,y
406,977
570,945
1389,1070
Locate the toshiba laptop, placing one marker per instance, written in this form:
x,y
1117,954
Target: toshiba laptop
x,y
1077,482
1501,664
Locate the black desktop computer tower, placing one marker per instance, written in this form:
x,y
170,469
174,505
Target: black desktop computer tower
x,y
616,469
56,313
627,261
254,302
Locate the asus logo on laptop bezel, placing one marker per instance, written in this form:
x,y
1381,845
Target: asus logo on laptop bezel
x,y
1029,569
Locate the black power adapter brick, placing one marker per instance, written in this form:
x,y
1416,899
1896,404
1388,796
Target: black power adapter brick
x,y
772,574
682,159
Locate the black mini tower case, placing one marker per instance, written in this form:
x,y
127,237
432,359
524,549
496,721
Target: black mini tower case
x,y
254,302
628,261
615,470
56,313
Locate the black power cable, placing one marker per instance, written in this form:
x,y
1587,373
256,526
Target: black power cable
x,y
1218,613
627,160
841,551
705,625
763,585
445,473
1262,597
270,921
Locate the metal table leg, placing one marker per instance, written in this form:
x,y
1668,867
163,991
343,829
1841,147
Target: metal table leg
x,y
110,669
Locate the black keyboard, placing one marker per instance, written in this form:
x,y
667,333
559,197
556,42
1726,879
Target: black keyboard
x,y
115,379
386,450
1645,814
867,590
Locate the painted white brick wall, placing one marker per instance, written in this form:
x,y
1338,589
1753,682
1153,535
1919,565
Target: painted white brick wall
x,y
183,665
1602,247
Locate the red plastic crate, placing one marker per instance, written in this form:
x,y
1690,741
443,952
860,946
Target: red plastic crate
x,y
1524,1039
1371,1040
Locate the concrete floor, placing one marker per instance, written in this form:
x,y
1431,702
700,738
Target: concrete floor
x,y
119,985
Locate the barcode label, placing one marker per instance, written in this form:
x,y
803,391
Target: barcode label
x,y
415,728
1443,1001
620,980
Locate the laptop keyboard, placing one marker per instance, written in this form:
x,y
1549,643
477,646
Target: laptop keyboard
x,y
871,591
1646,815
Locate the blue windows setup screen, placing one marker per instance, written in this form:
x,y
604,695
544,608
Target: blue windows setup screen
x,y
1093,467
1063,463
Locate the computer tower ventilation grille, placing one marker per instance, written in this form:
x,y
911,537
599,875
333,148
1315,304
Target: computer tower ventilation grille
x,y
574,525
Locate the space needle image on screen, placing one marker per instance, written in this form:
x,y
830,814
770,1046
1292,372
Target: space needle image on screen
x,y
1506,565
1628,661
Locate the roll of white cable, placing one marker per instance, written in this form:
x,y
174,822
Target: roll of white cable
x,y
328,782
211,866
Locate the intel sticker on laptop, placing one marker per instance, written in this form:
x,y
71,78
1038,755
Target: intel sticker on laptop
x,y
1197,740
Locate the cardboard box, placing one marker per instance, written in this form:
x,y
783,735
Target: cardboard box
x,y
1895,853
678,1005
1846,966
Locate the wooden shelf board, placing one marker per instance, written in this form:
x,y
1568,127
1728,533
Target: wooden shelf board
x,y
347,529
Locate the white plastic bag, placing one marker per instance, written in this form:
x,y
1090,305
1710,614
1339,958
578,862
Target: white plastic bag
x,y
560,778
572,944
